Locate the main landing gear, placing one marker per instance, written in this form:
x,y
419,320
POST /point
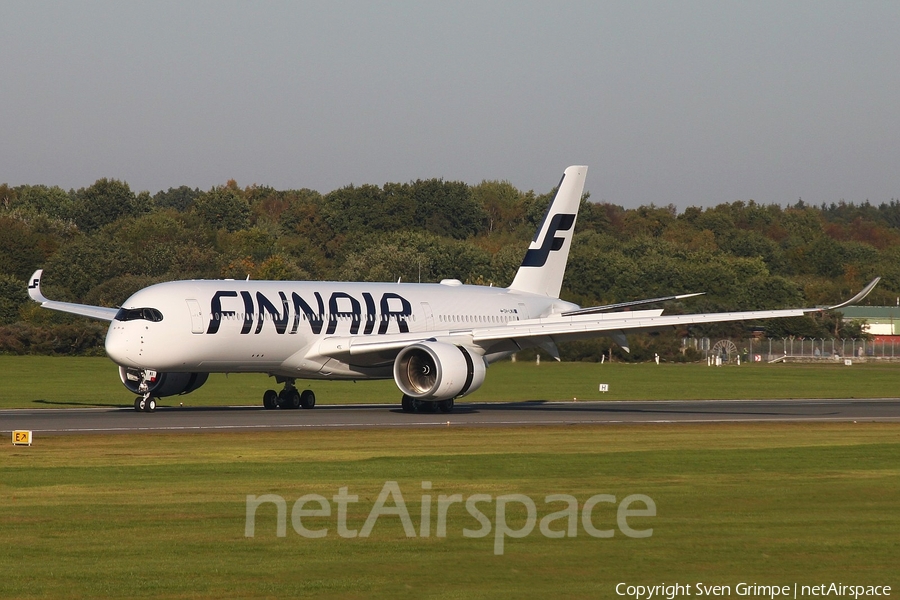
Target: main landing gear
x,y
411,405
289,397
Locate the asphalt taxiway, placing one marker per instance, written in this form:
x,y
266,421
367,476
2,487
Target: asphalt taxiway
x,y
488,414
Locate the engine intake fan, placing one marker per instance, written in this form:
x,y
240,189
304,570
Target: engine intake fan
x,y
438,371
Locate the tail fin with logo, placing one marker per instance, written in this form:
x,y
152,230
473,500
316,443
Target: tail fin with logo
x,y
545,262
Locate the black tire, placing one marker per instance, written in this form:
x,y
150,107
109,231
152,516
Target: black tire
x,y
307,399
150,405
270,399
290,399
407,404
138,403
446,406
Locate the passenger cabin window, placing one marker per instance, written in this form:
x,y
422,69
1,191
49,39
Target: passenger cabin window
x,y
134,314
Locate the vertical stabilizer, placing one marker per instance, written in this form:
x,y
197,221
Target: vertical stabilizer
x,y
544,265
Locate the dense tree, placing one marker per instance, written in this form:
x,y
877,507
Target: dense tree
x,y
19,248
279,267
32,200
114,291
223,207
254,243
8,197
84,263
101,243
501,203
416,256
358,208
12,298
106,201
447,208
751,243
180,199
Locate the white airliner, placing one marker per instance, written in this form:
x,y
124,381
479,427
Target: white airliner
x,y
435,340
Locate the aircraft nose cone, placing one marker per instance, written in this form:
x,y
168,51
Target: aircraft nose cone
x,y
117,345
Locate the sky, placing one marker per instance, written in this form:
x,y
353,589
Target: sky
x,y
685,103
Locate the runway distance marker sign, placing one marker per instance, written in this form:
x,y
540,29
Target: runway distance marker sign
x,y
21,438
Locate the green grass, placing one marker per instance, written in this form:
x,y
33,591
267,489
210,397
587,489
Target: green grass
x,y
41,381
164,515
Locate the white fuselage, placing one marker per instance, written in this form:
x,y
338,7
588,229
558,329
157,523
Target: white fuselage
x,y
293,329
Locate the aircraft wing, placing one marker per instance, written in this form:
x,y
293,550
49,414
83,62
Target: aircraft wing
x,y
544,333
564,329
568,326
587,323
85,310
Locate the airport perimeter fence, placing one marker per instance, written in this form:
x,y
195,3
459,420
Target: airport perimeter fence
x,y
794,349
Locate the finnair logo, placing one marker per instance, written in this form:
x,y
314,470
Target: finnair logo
x,y
537,257
340,305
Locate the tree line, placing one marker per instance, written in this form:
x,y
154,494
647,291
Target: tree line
x,y
101,243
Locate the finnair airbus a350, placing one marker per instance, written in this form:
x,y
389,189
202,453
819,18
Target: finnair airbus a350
x,y
435,340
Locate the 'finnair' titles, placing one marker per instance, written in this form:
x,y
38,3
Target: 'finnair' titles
x,y
340,306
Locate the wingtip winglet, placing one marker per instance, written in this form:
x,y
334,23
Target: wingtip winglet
x,y
34,287
862,294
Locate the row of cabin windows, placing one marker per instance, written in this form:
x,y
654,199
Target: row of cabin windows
x,y
478,318
327,317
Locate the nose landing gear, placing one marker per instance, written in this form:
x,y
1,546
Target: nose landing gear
x,y
145,403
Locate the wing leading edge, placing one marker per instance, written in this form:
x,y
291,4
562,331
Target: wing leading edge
x,y
562,327
575,324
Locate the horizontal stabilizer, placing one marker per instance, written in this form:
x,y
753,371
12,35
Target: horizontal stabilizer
x,y
607,307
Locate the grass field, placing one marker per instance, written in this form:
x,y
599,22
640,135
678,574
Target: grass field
x,y
164,515
42,381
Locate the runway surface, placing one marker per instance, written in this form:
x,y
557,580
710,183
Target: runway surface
x,y
127,420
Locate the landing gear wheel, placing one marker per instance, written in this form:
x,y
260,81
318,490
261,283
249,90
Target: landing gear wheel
x,y
270,399
290,399
408,404
143,404
446,406
307,399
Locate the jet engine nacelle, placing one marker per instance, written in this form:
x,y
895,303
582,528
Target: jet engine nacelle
x,y
438,371
161,385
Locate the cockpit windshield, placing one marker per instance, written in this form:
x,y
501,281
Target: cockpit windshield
x,y
132,314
